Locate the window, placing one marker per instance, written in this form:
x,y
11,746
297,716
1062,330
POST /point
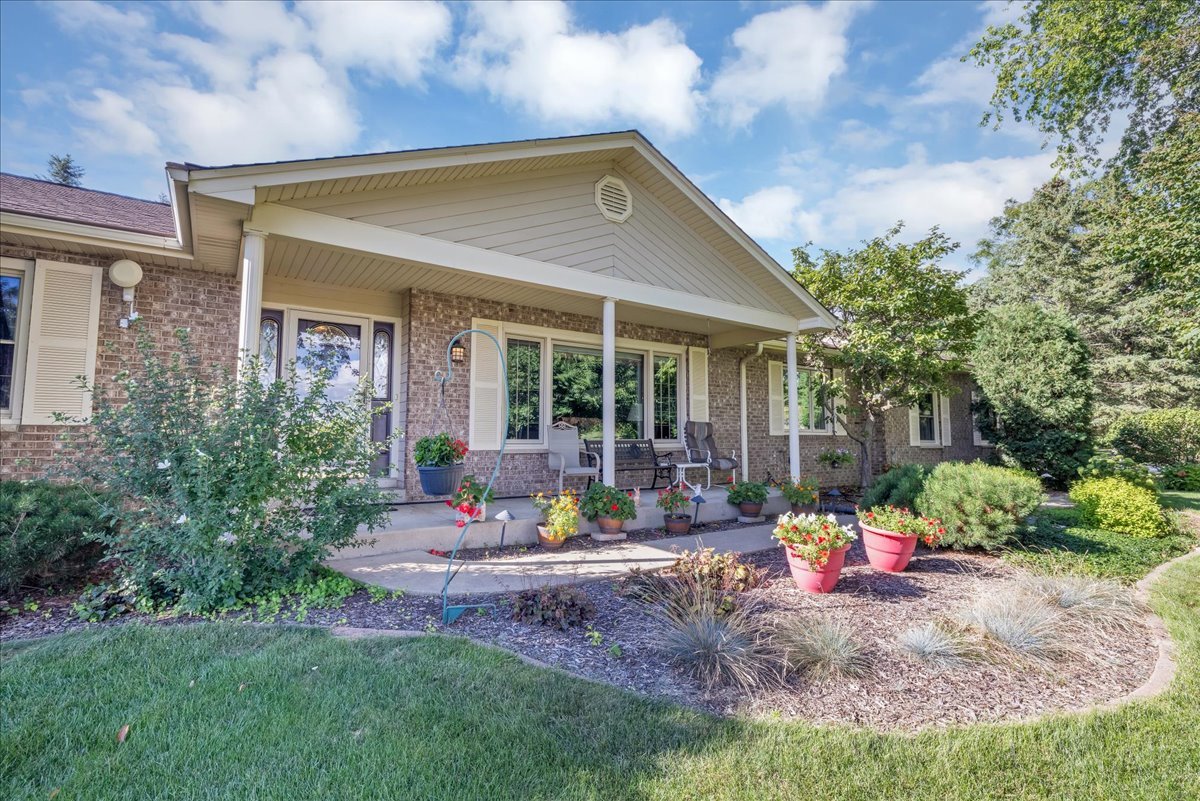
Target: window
x,y
577,391
813,403
976,434
524,389
11,290
666,397
929,421
381,364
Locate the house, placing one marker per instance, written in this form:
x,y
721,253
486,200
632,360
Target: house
x,y
588,257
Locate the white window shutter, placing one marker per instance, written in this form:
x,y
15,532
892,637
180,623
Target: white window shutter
x,y
64,323
838,400
777,419
486,426
914,426
945,402
698,385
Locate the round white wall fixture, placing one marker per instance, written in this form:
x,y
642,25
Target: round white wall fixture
x,y
125,273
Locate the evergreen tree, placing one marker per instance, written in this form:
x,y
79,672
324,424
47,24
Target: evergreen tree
x,y
63,170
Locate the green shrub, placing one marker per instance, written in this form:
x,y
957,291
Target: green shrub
x,y
562,606
1110,465
979,505
47,533
227,488
1180,477
1036,390
898,487
723,573
1161,436
1116,505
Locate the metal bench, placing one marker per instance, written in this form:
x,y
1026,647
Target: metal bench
x,y
635,454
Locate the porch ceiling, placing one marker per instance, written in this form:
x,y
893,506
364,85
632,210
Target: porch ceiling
x,y
327,269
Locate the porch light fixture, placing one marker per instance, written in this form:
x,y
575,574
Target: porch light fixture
x,y
126,274
458,354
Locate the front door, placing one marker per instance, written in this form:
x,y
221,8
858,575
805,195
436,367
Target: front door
x,y
336,344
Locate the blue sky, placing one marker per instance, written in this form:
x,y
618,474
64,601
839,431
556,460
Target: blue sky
x,y
822,122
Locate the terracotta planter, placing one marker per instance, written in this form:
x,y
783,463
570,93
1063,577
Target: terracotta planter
x,y
750,509
804,509
678,524
440,480
610,529
821,579
887,550
548,542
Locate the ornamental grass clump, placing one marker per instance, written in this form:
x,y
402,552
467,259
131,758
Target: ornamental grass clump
x,y
1010,625
225,487
937,643
1092,601
713,644
821,648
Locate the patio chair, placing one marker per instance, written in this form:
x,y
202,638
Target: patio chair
x,y
562,440
702,449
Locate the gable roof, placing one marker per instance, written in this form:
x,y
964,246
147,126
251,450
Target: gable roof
x,y
274,182
33,197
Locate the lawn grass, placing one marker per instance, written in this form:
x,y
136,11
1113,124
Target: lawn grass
x,y
223,710
1182,501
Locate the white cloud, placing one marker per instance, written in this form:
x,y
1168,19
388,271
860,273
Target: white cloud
x,y
949,79
857,135
959,196
533,56
787,57
261,82
392,41
117,127
775,212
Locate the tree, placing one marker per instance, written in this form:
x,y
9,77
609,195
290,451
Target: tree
x,y
903,325
63,170
1034,375
1071,66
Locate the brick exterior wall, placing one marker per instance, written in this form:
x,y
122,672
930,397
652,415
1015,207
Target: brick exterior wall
x,y
167,298
962,442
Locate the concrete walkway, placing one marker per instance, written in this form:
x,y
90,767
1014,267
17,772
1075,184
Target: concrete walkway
x,y
418,571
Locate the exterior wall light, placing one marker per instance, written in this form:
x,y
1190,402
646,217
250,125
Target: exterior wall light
x,y
458,354
126,274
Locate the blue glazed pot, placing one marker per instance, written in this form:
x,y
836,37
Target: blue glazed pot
x,y
440,480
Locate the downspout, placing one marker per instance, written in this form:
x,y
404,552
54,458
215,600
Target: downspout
x,y
745,413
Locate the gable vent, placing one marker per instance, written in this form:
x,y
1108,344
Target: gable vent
x,y
613,198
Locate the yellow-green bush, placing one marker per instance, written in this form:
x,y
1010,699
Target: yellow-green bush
x,y
1114,504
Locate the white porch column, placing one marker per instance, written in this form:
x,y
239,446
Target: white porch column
x,y
609,394
793,409
254,257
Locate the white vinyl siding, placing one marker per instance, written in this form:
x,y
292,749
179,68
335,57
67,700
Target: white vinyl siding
x,y
63,326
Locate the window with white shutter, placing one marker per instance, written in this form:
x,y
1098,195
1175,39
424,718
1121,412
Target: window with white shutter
x,y
63,327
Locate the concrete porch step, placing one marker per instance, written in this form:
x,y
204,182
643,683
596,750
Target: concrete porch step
x,y
424,526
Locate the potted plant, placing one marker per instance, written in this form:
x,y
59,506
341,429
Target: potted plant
x,y
439,461
836,457
802,495
816,549
890,535
470,500
673,501
748,496
561,513
610,508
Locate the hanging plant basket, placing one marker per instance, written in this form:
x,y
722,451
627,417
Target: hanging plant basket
x,y
440,480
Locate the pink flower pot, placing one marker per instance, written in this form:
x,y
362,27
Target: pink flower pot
x,y
886,550
821,579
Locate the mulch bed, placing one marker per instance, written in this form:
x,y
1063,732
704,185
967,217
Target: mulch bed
x,y
899,694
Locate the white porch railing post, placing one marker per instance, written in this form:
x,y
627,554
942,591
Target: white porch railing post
x,y
254,257
609,394
793,409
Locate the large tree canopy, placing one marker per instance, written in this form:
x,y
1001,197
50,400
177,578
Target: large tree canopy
x,y
1077,68
903,320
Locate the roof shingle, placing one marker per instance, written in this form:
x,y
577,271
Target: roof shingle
x,y
37,198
